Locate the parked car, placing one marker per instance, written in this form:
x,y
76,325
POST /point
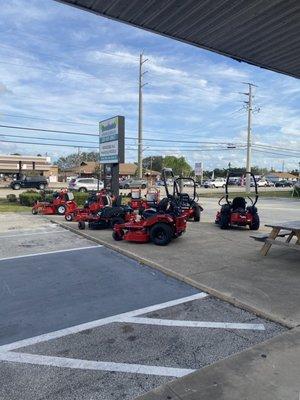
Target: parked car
x,y
187,183
29,182
85,184
284,183
133,184
215,183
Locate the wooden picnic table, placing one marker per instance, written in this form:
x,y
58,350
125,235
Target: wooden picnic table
x,y
291,229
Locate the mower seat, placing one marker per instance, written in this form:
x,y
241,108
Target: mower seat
x,y
238,204
109,212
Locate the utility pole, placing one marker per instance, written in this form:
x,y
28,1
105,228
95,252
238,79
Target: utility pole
x,y
249,133
140,123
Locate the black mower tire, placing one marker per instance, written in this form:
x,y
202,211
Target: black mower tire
x,y
34,211
197,213
117,220
224,221
116,236
61,210
81,225
254,226
161,234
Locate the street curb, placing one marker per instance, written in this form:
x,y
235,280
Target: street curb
x,y
183,278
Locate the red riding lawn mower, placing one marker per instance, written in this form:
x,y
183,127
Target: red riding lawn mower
x,y
108,216
236,212
140,203
94,203
160,226
188,204
61,202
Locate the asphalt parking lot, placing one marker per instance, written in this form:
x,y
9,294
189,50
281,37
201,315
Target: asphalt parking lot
x,y
79,321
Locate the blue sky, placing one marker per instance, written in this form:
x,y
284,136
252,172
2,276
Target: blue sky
x,y
62,64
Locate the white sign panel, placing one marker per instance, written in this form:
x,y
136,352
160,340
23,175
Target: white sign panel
x,y
198,168
111,137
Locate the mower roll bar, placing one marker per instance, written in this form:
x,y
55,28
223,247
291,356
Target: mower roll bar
x,y
253,202
176,183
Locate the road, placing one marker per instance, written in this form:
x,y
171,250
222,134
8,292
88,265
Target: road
x,y
79,321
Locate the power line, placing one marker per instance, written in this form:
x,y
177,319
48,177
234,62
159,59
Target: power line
x,y
44,138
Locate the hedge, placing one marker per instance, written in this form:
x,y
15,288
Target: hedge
x,y
80,198
11,198
29,198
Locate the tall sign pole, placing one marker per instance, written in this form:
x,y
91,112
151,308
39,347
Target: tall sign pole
x,y
140,122
111,150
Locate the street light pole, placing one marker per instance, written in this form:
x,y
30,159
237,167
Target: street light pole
x,y
140,122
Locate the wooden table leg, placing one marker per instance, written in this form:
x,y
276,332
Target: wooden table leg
x,y
266,247
289,238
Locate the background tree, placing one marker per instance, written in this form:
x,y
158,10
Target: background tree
x,y
179,165
75,159
153,162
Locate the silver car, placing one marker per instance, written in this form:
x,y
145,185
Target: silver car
x,y
85,184
133,184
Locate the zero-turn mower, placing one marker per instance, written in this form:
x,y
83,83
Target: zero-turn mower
x,y
94,203
189,204
236,212
108,216
61,202
140,203
160,227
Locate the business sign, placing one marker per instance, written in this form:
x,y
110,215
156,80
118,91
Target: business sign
x,y
198,168
111,140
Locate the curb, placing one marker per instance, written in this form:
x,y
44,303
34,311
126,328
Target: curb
x,y
183,278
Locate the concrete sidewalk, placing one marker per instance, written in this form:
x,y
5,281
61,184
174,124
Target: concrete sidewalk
x,y
268,371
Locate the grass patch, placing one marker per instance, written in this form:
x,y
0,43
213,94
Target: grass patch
x,y
6,206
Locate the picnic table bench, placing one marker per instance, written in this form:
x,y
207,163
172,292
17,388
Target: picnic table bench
x,y
290,229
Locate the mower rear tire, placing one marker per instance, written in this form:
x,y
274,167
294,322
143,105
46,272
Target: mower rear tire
x,y
81,225
197,213
61,210
161,234
117,220
224,221
117,236
254,226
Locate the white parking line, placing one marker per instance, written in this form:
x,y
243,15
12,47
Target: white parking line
x,y
100,322
194,324
32,234
64,362
51,252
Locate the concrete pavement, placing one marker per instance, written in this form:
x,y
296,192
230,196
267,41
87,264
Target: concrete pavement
x,y
268,371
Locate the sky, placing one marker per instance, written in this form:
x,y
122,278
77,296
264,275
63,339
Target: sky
x,y
65,69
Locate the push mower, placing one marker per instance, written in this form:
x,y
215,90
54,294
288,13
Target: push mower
x,y
188,204
236,212
140,203
108,216
61,202
167,223
94,203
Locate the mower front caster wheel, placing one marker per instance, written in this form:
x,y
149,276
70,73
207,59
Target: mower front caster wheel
x,y
117,236
161,234
254,226
81,225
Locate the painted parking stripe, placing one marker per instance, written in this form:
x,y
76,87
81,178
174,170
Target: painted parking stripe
x,y
32,234
194,324
51,252
100,322
73,363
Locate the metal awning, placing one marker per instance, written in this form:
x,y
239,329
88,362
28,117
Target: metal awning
x,y
265,33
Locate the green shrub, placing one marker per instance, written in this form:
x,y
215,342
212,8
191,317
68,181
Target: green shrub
x,y
29,197
80,198
12,198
